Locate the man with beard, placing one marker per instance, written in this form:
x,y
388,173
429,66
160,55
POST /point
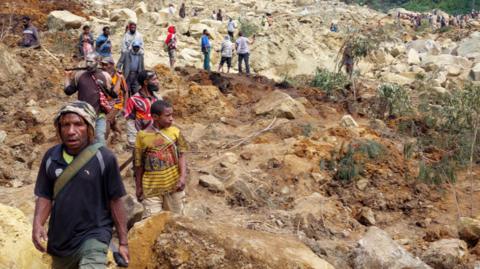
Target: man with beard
x,y
137,111
30,38
79,186
104,44
93,85
131,35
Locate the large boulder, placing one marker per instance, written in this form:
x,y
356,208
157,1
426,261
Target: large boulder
x,y
60,20
141,8
444,60
468,47
475,72
16,247
174,242
446,253
123,14
469,229
413,57
377,250
424,46
281,105
397,79
196,30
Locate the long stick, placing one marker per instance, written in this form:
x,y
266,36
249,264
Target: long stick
x,y
470,168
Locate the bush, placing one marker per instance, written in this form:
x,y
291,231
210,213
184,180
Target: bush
x,y
350,165
329,82
395,100
248,28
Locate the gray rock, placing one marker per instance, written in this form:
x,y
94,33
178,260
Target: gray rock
x,y
3,136
211,183
59,20
377,250
366,216
446,253
469,229
348,122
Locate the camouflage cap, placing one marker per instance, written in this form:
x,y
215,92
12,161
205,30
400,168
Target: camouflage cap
x,y
81,108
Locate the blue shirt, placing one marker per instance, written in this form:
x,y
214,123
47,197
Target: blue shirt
x,y
205,42
104,46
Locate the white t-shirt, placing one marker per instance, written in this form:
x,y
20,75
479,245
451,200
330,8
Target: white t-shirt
x,y
242,45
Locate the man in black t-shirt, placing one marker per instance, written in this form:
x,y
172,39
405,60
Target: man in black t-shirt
x,y
84,210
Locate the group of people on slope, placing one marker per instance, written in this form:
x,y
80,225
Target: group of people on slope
x,y
79,186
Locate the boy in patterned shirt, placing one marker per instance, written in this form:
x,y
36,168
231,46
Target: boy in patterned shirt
x,y
160,164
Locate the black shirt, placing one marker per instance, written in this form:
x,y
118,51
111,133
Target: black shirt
x,y
86,87
81,210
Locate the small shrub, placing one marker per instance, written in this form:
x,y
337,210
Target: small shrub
x,y
395,100
351,164
329,82
248,28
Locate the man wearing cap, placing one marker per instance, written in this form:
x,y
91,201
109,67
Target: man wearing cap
x,y
85,207
93,86
120,88
132,63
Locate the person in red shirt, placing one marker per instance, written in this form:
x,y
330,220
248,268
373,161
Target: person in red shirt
x,y
137,111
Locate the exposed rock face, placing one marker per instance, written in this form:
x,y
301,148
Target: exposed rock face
x,y
446,253
280,104
377,250
16,247
177,241
59,20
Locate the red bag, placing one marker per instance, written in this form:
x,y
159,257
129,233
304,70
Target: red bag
x,y
105,106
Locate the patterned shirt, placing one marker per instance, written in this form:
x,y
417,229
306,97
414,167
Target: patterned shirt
x,y
157,151
138,109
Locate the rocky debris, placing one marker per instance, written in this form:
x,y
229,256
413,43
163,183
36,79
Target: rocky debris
x,y
424,46
212,183
281,105
9,66
446,253
241,193
413,57
134,210
366,216
60,20
16,245
296,165
376,249
469,229
182,242
347,121
123,14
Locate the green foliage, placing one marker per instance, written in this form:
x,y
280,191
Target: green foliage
x,y
350,164
449,6
248,28
329,82
438,173
362,46
395,100
307,130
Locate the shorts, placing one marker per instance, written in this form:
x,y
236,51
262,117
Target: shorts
x,y
171,54
228,60
173,202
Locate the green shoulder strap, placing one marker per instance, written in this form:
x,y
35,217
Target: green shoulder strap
x,y
72,169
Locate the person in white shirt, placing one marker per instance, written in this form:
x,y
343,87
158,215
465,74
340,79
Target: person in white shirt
x,y
227,51
243,51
